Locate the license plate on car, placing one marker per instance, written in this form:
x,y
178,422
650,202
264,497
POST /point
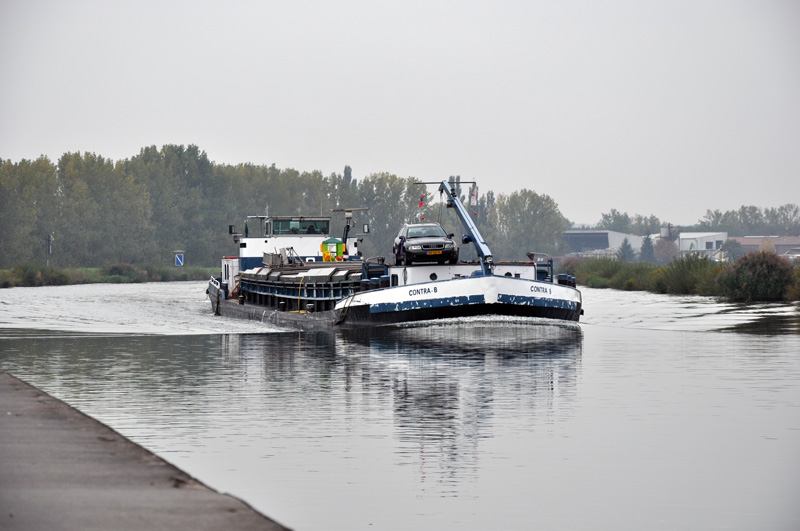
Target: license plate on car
x,y
434,252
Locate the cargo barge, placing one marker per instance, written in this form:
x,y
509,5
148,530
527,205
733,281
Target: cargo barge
x,y
294,274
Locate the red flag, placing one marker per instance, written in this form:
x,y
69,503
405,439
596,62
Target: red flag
x,y
421,199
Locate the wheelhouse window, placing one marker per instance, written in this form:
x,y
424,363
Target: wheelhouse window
x,y
300,226
314,226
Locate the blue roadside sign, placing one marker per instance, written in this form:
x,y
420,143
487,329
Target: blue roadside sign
x,y
178,260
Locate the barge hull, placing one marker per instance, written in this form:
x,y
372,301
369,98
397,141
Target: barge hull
x,y
265,314
362,316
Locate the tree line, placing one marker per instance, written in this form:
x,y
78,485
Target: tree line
x,y
141,209
747,220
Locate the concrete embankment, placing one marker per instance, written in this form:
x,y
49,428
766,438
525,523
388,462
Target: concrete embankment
x,y
60,469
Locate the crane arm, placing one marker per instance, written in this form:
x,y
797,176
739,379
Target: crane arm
x,y
484,252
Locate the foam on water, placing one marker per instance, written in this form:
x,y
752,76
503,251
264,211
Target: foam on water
x,y
165,308
180,308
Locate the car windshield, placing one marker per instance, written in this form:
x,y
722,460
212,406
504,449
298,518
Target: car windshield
x,y
429,231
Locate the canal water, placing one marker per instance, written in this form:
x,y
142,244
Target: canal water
x,y
656,412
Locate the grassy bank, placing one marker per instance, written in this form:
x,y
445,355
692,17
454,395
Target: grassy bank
x,y
761,276
30,274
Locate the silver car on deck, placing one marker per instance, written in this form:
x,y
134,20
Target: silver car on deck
x,y
424,242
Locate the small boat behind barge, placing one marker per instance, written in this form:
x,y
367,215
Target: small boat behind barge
x,y
294,274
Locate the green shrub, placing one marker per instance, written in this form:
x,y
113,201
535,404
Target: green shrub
x,y
793,293
119,269
658,283
761,276
157,274
690,275
612,273
27,274
709,284
632,276
55,277
595,281
127,272
604,268
6,280
85,275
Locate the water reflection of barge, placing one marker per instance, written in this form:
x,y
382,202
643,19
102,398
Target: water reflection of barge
x,y
446,387
294,274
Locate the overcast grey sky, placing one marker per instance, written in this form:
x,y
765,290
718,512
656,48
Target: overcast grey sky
x,y
667,108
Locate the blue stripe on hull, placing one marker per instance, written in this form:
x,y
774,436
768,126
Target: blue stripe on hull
x,y
513,300
360,316
426,303
521,300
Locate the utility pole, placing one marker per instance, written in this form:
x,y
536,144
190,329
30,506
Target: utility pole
x,y
48,247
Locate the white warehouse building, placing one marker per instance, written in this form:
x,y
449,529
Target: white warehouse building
x,y
702,243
